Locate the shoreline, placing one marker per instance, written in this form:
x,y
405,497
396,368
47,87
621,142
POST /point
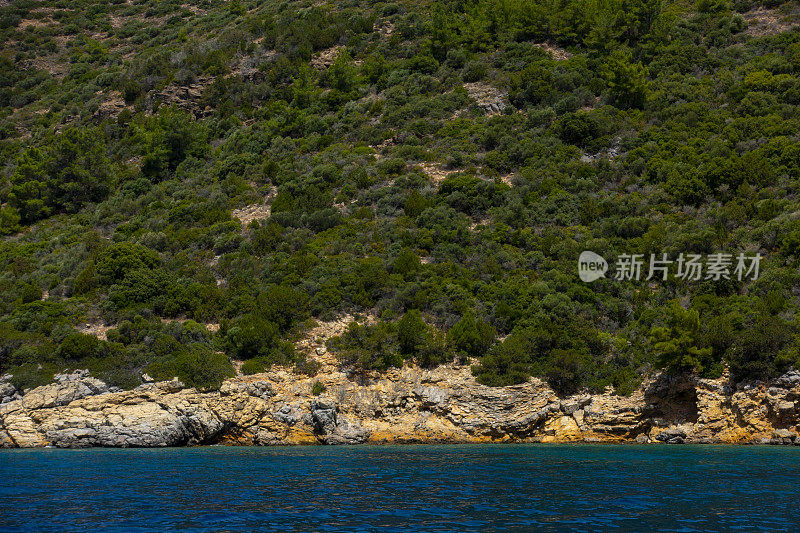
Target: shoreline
x,y
364,445
408,405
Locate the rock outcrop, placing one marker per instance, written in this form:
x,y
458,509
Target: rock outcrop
x,y
402,406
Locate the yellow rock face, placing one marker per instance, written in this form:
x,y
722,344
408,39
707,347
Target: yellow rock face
x,y
407,405
561,429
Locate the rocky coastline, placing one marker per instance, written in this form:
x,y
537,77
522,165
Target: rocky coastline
x,y
407,405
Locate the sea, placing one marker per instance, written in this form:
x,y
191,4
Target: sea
x,y
416,488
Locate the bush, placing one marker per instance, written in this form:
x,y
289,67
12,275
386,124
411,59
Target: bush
x,y
283,305
567,371
367,348
119,259
196,366
9,220
507,363
77,346
407,263
251,336
579,128
30,293
411,332
470,336
761,350
70,172
253,366
627,81
676,344
474,71
318,388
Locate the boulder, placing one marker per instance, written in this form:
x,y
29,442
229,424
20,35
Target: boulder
x,y
66,389
672,436
783,436
323,415
288,415
130,420
789,380
431,397
8,393
346,432
571,405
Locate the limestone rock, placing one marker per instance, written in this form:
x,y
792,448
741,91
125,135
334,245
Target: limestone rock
x,y
407,404
324,416
8,393
346,432
789,380
672,436
431,397
65,390
288,415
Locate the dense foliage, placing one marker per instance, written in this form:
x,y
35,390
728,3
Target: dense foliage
x,y
435,165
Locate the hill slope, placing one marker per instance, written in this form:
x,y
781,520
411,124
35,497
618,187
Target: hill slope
x,y
188,187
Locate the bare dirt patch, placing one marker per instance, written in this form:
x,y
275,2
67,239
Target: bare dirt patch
x,y
559,54
247,66
45,10
379,148
491,99
763,21
314,341
197,10
435,172
210,326
116,21
98,329
325,58
112,106
385,29
249,213
252,212
49,64
185,97
486,221
36,23
508,179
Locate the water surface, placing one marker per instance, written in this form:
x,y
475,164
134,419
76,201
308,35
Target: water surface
x,y
402,488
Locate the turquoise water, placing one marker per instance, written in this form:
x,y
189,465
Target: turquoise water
x,y
402,488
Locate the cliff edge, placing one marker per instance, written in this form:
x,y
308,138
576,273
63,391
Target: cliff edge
x,y
405,405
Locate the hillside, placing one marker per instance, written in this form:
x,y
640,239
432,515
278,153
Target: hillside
x,y
204,188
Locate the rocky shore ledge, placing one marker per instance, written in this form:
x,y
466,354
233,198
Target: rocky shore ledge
x,y
408,405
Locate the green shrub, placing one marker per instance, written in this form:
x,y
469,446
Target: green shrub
x,y
761,350
370,347
196,366
318,388
471,336
627,81
9,220
251,336
406,263
507,363
77,346
30,293
411,332
676,343
119,259
253,366
72,170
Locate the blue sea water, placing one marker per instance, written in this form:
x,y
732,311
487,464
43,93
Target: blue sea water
x,y
403,488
